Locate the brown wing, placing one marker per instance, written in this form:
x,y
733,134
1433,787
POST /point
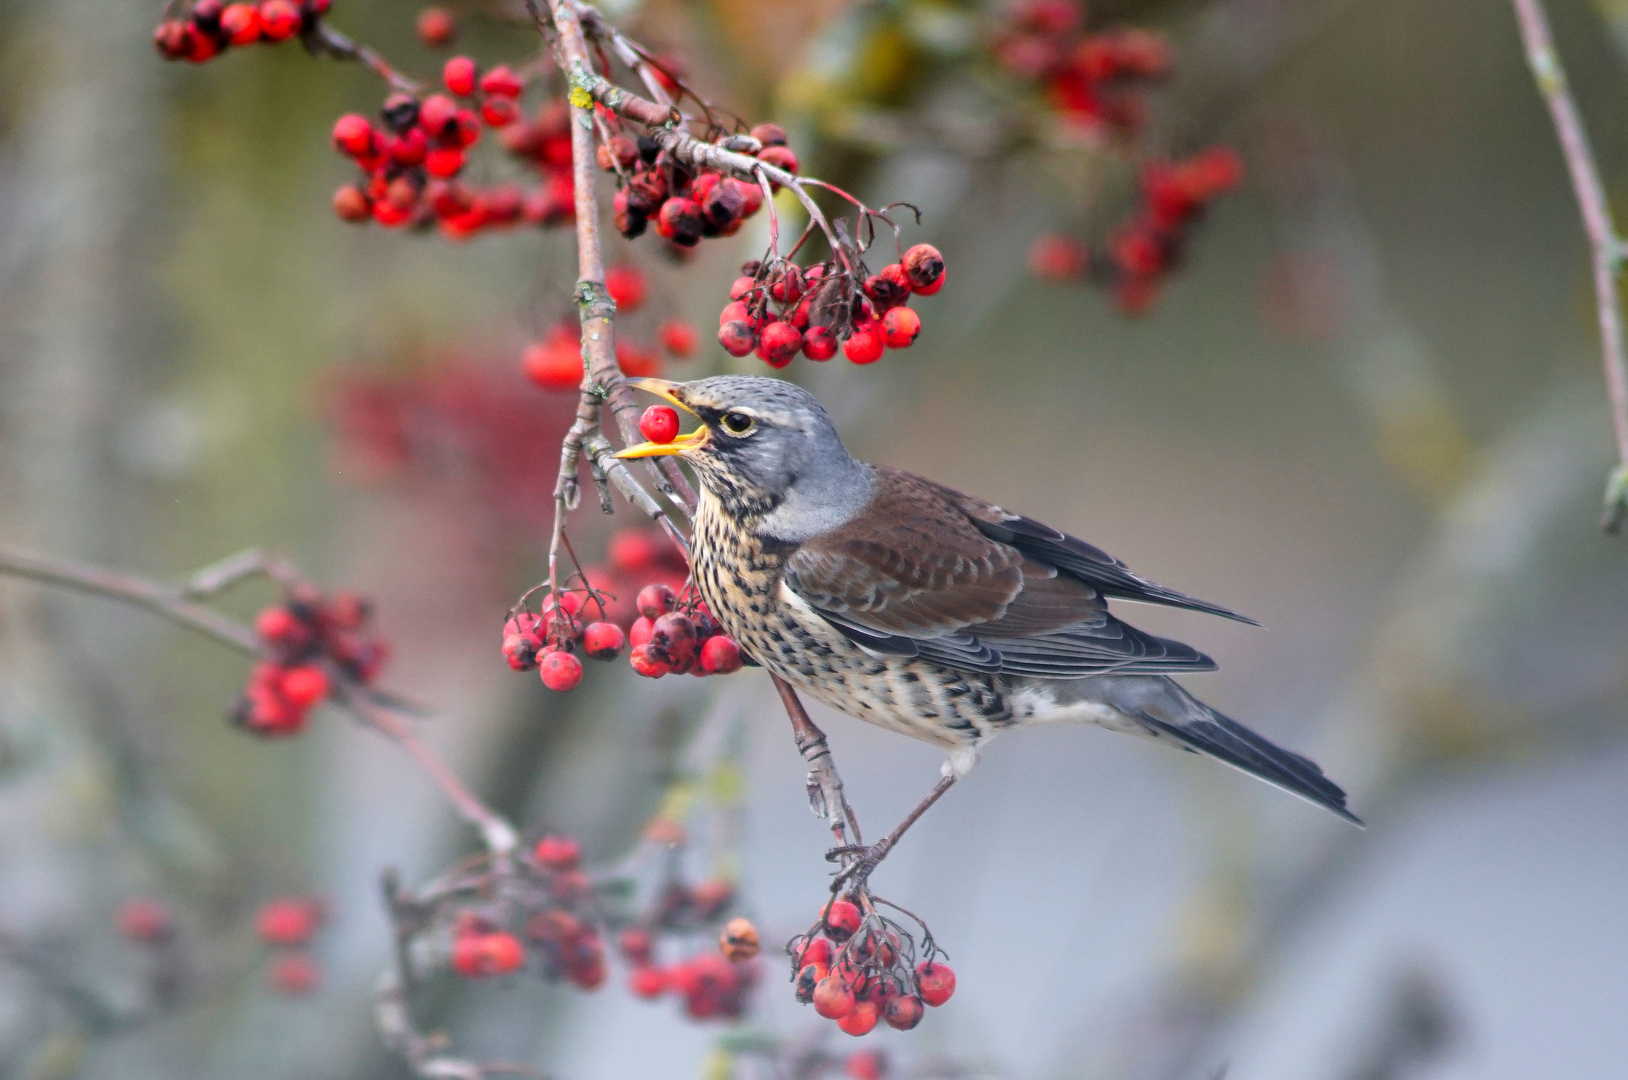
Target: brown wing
x,y
915,575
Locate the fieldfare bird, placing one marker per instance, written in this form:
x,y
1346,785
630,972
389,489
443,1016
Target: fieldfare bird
x,y
928,612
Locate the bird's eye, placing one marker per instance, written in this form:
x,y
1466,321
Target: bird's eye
x,y
737,423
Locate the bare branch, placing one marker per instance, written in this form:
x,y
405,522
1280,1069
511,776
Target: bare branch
x,y
1604,241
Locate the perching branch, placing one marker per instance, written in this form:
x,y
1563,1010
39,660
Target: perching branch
x,y
1604,241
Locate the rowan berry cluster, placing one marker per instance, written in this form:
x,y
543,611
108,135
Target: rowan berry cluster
x,y
287,926
712,984
1141,253
1095,82
412,162
684,206
778,309
859,969
210,27
308,640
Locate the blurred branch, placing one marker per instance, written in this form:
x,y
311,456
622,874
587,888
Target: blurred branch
x,y
1604,241
377,711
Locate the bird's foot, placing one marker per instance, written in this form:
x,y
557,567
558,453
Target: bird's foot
x,y
858,862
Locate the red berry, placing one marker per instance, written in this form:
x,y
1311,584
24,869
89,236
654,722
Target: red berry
x,y
935,982
648,662
523,623
558,852
680,338
279,19
633,551
639,633
736,311
780,157
860,1020
499,111
900,327
833,999
290,921
863,346
436,26
278,626
737,338
815,950
770,134
739,941
720,655
560,670
742,287
635,945
479,955
1055,257
841,919
554,363
659,424
930,290
241,24
626,286
294,974
352,204
146,921
923,265
681,218
444,162
501,82
656,600
520,651
808,980
648,982
438,116
304,686
864,1065
903,1012
781,342
603,640
353,135
172,40
674,637
819,343
458,75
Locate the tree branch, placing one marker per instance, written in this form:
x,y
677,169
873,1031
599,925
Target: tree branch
x,y
1605,243
171,603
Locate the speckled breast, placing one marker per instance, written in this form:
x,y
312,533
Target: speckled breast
x,y
740,580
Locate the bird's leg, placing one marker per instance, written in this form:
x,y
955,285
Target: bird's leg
x,y
865,859
825,795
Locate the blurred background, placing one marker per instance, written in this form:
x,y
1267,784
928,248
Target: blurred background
x,y
1366,410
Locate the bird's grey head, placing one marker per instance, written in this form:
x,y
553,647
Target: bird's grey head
x,y
767,450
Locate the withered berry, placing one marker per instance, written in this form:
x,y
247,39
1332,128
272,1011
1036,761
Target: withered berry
x,y
923,265
674,637
903,1012
603,640
841,919
656,600
737,338
739,941
648,662
520,651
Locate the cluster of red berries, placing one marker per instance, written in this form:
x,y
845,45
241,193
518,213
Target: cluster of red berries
x,y
778,309
1093,81
287,926
556,920
713,985
681,205
212,26
548,642
411,163
675,636
305,638
555,362
855,969
1142,252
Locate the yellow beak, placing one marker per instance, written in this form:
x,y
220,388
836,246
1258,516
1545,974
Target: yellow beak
x,y
663,388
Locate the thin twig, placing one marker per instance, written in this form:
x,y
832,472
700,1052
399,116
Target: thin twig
x,y
500,837
1604,241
